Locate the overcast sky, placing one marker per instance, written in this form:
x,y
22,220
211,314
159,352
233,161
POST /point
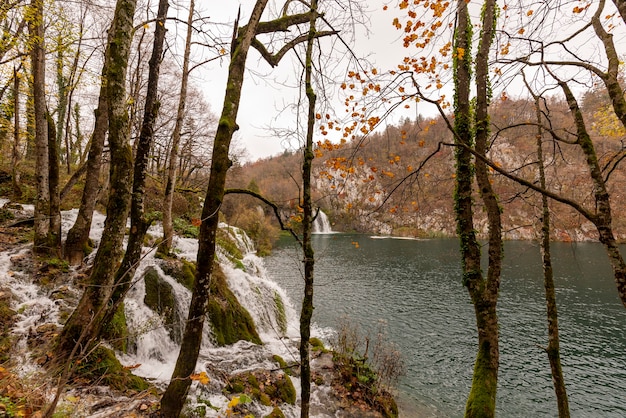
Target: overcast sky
x,y
267,92
264,93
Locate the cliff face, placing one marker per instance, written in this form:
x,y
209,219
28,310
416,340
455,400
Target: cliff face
x,y
401,181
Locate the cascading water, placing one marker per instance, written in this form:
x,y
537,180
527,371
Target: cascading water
x,y
321,225
153,348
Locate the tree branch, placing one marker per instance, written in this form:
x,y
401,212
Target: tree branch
x,y
268,202
274,59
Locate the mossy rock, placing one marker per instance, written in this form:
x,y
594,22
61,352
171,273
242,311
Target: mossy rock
x,y
317,345
283,364
226,242
103,367
116,331
281,315
161,299
183,271
277,388
231,322
7,319
276,413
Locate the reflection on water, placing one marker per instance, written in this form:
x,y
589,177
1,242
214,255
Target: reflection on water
x,y
415,286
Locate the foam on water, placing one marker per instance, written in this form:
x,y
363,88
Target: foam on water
x,y
153,352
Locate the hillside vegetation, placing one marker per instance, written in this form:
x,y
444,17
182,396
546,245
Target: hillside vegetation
x,y
400,180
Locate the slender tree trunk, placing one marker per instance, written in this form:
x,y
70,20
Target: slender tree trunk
x,y
15,155
54,231
139,224
78,235
306,313
42,202
82,326
63,88
602,219
553,349
172,169
174,397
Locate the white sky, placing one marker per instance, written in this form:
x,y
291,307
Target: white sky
x,y
264,97
265,93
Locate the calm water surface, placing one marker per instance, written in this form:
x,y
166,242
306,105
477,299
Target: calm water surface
x,y
415,286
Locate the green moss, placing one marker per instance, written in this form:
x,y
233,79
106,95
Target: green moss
x,y
281,316
183,271
116,331
317,345
7,318
160,298
285,390
264,399
231,321
282,363
276,413
6,215
481,401
103,367
225,241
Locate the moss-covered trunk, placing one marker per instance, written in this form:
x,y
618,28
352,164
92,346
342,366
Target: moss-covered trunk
x,y
483,291
306,313
15,154
602,219
54,229
174,397
83,324
139,222
38,63
78,236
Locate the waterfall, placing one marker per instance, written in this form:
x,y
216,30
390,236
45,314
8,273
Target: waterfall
x,y
152,349
321,225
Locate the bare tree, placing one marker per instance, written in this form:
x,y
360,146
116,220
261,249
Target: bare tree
x,y
172,169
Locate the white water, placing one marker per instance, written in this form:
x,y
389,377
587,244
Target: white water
x,y
155,352
321,225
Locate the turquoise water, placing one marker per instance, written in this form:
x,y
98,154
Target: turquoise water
x,y
415,287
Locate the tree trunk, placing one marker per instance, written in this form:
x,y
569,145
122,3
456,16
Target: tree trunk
x,y
82,326
481,401
553,349
306,313
602,219
78,235
174,397
172,169
15,155
139,224
54,231
42,202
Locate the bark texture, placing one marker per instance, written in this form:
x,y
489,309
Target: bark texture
x,y
78,236
483,291
306,313
83,326
602,217
139,222
42,202
15,155
174,396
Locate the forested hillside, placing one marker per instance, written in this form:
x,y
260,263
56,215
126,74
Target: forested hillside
x,y
402,181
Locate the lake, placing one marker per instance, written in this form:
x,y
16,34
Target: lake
x,y
415,287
